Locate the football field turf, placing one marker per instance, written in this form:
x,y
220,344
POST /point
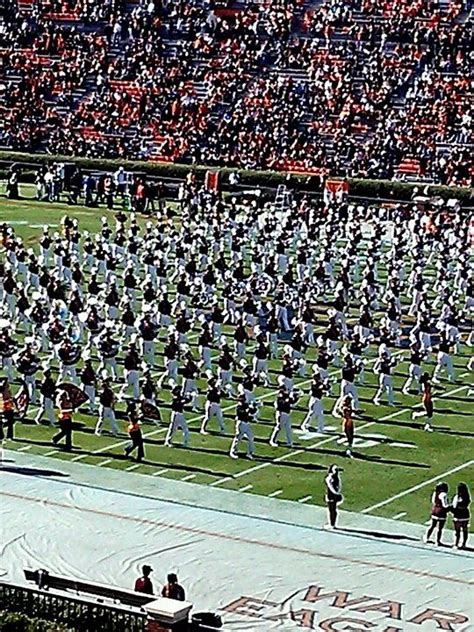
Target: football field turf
x,y
395,464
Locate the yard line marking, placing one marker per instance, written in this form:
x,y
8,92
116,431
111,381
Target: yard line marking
x,y
396,413
305,499
199,418
130,468
51,452
246,488
25,448
399,515
189,477
106,462
160,472
79,457
419,486
275,494
221,480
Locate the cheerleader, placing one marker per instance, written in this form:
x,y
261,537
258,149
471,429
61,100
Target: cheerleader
x,y
333,494
461,515
439,512
348,423
427,402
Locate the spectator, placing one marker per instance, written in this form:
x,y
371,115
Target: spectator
x,y
173,590
143,584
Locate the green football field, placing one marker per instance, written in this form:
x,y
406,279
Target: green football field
x,y
395,464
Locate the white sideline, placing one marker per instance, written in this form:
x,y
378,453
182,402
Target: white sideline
x,y
419,486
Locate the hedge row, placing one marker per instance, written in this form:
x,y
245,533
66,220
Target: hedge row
x,y
358,187
16,622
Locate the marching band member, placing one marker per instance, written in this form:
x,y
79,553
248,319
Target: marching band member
x,y
107,401
283,404
28,364
444,359
213,406
65,408
244,415
88,381
132,365
178,421
48,395
384,366
414,372
135,433
348,374
315,406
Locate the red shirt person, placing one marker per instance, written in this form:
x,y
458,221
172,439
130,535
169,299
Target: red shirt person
x,y
143,584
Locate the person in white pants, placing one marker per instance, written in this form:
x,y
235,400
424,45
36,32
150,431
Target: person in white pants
x,y
283,404
213,406
245,412
107,409
178,421
48,393
444,359
384,366
315,406
349,372
414,371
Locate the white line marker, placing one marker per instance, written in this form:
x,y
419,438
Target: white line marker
x,y
25,448
51,452
305,499
130,468
419,486
106,462
275,494
160,472
189,477
220,481
79,457
399,515
246,488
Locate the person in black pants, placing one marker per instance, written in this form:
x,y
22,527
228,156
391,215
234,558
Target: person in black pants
x,y
65,420
7,409
333,494
135,434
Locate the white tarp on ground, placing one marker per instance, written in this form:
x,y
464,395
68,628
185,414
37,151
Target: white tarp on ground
x,y
263,573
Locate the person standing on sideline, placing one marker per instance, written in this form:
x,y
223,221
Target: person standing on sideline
x,y
65,407
439,512
333,494
461,515
173,590
143,584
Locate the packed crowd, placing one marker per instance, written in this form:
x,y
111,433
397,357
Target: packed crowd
x,y
348,88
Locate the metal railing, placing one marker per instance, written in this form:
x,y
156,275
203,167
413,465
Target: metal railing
x,y
73,611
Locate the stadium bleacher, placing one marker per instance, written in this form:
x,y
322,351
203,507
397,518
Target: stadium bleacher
x,y
357,88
